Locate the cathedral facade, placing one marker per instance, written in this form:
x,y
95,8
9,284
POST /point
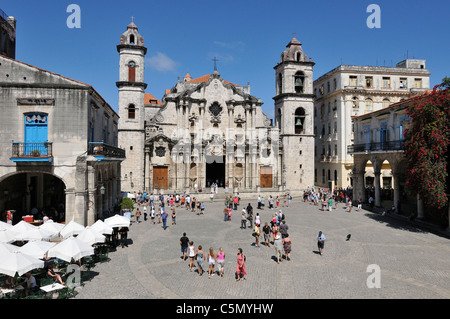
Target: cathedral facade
x,y
207,130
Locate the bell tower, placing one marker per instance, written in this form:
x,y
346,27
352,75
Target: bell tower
x,y
131,128
294,115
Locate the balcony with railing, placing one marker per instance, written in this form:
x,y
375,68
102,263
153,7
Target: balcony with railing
x,y
32,152
102,151
390,146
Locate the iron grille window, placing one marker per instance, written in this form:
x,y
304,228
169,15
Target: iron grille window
x,y
215,109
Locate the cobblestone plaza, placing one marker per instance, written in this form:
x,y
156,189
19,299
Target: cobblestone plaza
x,y
413,262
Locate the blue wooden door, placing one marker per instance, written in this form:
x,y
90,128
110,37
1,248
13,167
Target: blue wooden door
x,y
36,134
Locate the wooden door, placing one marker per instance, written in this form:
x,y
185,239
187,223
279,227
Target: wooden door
x,y
265,177
161,177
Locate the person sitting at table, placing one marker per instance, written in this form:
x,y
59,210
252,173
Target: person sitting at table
x,y
29,284
54,275
9,283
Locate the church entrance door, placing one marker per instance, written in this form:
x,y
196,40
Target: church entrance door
x,y
161,177
265,178
215,171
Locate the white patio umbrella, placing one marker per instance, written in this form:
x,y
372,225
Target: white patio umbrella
x,y
36,234
7,236
22,227
72,228
6,248
36,248
118,221
19,263
91,236
52,226
102,228
4,226
70,248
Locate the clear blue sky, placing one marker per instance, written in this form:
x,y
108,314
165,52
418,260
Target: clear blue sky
x,y
247,36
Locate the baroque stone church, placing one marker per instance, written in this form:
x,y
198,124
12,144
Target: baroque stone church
x,y
208,130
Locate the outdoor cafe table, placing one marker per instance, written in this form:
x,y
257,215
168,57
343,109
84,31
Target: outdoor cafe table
x,y
52,287
7,291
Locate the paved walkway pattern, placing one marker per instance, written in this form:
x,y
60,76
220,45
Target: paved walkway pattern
x,y
413,263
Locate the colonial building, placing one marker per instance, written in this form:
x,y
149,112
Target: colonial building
x,y
7,35
378,140
59,153
208,130
348,91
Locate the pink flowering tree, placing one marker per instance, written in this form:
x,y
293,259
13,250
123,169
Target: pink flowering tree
x,y
426,145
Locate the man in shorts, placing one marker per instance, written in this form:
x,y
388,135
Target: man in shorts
x,y
184,243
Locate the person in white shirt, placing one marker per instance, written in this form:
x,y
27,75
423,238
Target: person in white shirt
x,y
29,284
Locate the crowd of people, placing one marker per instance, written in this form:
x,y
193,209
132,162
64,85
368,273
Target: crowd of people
x,y
200,259
326,199
272,233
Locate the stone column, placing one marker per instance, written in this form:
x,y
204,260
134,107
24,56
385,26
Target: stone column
x,y
377,188
396,177
146,169
358,186
420,213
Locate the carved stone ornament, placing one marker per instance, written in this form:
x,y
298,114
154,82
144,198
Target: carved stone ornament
x,y
160,151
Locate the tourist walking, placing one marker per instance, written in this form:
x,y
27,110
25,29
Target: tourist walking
x,y
241,272
320,242
200,257
152,214
243,219
256,234
220,261
359,205
258,220
211,262
287,242
225,214
174,216
123,236
184,243
266,231
145,211
191,250
284,229
164,219
250,215
138,215
278,244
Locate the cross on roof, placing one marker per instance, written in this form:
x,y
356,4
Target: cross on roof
x,y
215,63
132,19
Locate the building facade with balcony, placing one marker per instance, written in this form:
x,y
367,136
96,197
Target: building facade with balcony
x,y
59,146
349,91
378,145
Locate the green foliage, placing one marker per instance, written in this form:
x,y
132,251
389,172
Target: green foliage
x,y
426,145
127,203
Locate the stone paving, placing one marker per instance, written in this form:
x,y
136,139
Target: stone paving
x,y
413,263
